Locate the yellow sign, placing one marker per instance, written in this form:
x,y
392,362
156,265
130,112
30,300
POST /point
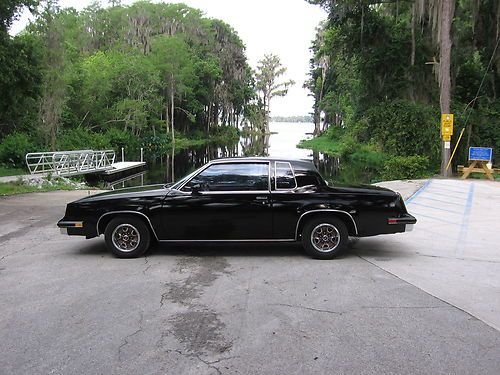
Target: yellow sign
x,y
446,126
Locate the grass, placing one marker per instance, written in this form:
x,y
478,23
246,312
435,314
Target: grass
x,y
323,144
18,187
482,176
10,171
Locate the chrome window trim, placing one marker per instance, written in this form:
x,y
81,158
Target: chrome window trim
x,y
126,212
276,178
324,210
234,192
215,162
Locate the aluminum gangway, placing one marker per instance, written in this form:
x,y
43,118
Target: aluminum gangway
x,y
70,163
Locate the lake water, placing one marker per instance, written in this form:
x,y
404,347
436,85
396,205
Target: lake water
x,y
282,143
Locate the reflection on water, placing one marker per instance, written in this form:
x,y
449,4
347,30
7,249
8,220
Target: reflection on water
x,y
281,143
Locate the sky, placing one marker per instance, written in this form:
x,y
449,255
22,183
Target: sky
x,y
282,27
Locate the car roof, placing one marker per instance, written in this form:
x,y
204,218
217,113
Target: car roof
x,y
257,158
303,163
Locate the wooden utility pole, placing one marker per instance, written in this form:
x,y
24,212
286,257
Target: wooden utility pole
x,y
447,10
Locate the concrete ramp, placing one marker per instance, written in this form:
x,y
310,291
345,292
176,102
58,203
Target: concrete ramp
x,y
454,251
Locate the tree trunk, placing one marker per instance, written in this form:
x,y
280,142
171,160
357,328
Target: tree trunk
x,y
447,10
167,116
413,48
172,113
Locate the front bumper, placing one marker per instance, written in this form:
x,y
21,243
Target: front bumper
x,y
71,228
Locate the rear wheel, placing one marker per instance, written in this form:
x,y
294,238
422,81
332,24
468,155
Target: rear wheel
x,y
324,237
127,236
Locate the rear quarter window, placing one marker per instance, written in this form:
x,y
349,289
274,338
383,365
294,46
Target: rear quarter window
x,y
285,178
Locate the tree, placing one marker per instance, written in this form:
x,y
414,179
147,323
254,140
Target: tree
x,y
10,9
20,72
447,10
156,71
268,72
54,85
177,66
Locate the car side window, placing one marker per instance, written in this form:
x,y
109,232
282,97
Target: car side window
x,y
232,177
285,178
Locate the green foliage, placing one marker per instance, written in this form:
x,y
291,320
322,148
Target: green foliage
x,y
402,128
20,79
118,138
10,10
14,148
359,161
11,171
144,68
374,76
157,145
269,71
225,134
49,184
81,138
406,167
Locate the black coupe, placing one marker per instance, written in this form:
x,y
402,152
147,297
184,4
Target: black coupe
x,y
240,200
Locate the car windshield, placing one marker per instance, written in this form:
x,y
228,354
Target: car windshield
x,y
185,178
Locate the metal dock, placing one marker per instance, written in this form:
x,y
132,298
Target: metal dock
x,y
72,163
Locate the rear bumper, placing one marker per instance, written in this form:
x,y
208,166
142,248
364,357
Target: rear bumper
x,y
404,223
405,219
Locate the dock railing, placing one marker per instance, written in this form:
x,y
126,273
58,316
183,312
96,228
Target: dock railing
x,y
67,163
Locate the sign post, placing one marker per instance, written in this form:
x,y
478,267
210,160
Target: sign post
x,y
446,133
481,156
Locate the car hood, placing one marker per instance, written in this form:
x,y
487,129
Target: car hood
x,y
140,191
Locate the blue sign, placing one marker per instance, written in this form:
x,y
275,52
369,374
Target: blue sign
x,y
480,153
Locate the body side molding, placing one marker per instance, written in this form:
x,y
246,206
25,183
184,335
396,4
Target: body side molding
x,y
324,210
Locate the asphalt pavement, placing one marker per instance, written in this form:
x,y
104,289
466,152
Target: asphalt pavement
x,y
69,307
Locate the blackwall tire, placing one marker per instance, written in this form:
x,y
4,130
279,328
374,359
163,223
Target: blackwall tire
x,y
324,237
127,236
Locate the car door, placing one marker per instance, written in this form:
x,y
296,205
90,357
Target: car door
x,y
225,201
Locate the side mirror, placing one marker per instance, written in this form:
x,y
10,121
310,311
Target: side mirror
x,y
195,189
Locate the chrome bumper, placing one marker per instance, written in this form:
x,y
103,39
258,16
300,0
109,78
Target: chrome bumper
x,y
65,225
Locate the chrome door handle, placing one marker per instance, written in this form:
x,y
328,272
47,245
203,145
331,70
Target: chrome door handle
x,y
262,198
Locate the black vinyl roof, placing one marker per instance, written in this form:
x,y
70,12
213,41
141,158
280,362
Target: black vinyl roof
x,y
296,163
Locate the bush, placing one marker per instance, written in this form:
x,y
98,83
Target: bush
x,y
406,167
118,138
82,139
14,148
402,128
225,133
157,145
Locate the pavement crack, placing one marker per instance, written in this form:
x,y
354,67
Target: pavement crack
x,y
404,307
125,339
13,253
309,308
164,297
148,266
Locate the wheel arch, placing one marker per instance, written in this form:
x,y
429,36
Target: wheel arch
x,y
105,218
346,218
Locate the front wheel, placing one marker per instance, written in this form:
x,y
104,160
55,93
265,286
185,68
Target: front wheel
x,y
127,237
324,237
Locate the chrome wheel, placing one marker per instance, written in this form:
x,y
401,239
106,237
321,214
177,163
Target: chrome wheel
x,y
126,237
325,237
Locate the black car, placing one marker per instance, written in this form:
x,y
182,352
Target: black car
x,y
240,200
